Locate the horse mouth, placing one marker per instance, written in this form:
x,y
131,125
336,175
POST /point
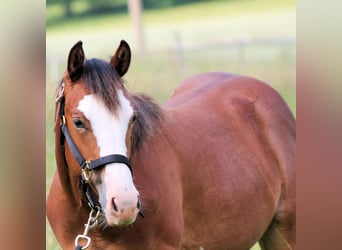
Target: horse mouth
x,y
120,222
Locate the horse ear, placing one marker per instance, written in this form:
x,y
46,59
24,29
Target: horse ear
x,y
75,61
122,58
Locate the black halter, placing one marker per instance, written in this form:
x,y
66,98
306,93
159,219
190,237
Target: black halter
x,y
86,166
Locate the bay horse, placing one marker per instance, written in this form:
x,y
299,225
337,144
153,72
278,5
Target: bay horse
x,y
213,168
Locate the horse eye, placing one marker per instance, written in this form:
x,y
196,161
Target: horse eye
x,y
78,123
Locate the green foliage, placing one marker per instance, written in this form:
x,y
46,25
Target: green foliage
x,y
200,10
72,8
100,6
153,4
150,4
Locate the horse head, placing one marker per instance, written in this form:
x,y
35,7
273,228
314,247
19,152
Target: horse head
x,y
96,112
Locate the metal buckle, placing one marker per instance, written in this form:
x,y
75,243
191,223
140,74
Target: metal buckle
x,y
62,120
86,172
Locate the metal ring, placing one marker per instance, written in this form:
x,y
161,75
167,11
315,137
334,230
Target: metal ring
x,y
62,120
99,212
86,172
94,220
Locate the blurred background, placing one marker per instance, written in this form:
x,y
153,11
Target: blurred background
x,y
172,40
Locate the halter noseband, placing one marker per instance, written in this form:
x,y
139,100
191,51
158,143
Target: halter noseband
x,y
86,166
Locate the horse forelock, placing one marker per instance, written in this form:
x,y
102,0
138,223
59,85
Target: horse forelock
x,y
103,81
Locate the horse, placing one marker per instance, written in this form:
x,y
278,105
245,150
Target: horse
x,y
212,168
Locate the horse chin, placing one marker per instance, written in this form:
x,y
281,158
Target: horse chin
x,y
106,221
114,221
119,222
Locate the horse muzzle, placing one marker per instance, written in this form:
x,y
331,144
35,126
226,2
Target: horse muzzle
x,y
122,212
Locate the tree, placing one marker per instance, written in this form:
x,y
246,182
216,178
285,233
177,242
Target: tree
x,y
135,10
67,6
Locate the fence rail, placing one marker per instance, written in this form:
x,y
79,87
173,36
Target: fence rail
x,y
55,65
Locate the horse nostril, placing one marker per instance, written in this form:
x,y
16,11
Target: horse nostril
x,y
138,204
116,209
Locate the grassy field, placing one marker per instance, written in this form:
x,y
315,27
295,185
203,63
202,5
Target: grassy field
x,y
180,42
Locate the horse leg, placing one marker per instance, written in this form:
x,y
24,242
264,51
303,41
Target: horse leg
x,y
281,234
277,239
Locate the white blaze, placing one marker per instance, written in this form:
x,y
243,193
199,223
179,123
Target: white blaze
x,y
109,129
110,132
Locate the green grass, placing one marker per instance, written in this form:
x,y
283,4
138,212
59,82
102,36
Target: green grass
x,y
159,69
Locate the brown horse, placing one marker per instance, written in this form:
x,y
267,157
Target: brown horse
x,y
213,168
